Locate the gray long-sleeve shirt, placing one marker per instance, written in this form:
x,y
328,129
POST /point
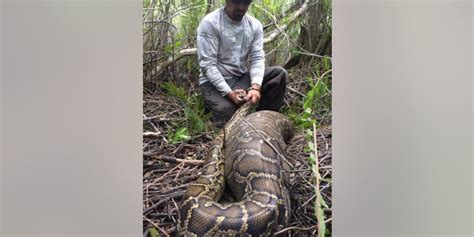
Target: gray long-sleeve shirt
x,y
223,47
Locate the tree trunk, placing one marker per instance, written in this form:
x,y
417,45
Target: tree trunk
x,y
310,40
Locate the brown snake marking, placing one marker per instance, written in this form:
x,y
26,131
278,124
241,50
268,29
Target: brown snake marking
x,y
248,154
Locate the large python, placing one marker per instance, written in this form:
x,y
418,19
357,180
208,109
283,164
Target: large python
x,y
249,153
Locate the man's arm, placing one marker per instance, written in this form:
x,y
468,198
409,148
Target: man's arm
x,y
257,65
207,47
257,57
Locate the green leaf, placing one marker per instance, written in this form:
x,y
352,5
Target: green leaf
x,y
318,88
154,232
326,64
312,158
328,180
169,48
323,203
310,95
180,135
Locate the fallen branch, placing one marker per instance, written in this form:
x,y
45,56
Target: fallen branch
x,y
178,161
293,18
178,56
293,228
192,51
295,91
151,134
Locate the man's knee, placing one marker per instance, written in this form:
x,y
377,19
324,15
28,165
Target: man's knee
x,y
281,70
278,75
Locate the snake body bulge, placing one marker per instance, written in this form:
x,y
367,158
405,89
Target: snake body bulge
x,y
248,154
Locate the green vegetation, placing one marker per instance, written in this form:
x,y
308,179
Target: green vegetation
x,y
316,103
196,118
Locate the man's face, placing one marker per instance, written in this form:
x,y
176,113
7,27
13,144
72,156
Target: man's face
x,y
236,9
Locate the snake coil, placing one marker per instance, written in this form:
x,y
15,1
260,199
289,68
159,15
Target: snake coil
x,y
248,154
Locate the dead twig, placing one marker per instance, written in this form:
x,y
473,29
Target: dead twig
x,y
293,228
297,92
151,134
178,161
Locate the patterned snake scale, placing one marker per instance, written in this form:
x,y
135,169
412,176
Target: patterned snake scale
x,y
249,153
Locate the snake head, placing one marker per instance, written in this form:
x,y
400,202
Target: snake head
x,y
242,95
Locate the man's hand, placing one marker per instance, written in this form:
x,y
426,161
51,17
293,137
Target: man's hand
x,y
253,95
237,96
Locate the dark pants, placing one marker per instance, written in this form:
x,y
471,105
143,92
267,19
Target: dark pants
x,y
273,91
